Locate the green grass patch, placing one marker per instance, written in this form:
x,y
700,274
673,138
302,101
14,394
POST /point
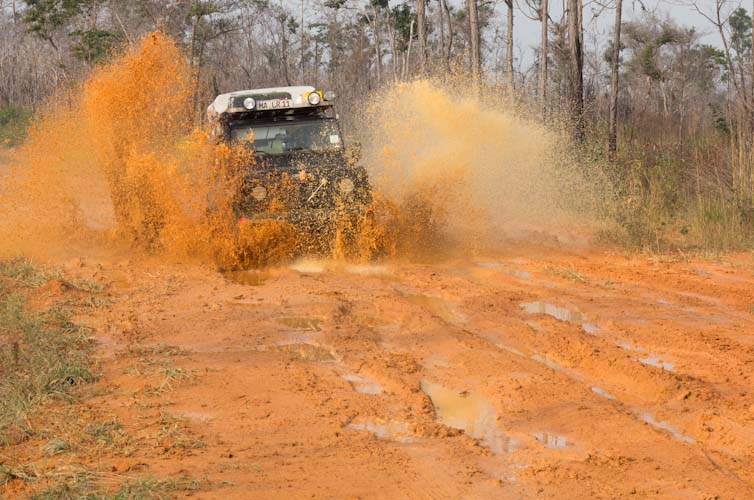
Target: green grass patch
x,y
14,122
44,356
85,487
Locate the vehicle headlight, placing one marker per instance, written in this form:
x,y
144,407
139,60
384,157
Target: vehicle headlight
x,y
259,193
249,103
345,185
314,98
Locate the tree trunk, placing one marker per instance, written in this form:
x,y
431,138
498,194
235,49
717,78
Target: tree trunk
x,y
509,48
303,46
376,29
447,54
393,51
612,136
576,76
407,55
476,56
441,13
421,35
543,13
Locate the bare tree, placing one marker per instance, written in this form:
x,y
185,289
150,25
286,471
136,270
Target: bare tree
x,y
719,19
576,69
509,45
543,54
612,137
476,54
421,35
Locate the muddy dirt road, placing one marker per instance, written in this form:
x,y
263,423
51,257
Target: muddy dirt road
x,y
531,374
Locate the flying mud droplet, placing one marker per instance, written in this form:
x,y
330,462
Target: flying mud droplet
x,y
470,413
362,384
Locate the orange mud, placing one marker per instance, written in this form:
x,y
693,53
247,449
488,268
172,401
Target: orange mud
x,y
483,369
533,373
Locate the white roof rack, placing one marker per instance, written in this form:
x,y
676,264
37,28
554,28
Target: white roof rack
x,y
269,98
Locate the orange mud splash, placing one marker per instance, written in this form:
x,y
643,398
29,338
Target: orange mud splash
x,y
117,161
465,172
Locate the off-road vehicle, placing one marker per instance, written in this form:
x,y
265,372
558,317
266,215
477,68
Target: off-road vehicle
x,y
299,170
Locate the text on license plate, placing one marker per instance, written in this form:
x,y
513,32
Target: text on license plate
x,y
274,104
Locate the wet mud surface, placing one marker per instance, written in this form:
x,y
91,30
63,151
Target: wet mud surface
x,y
455,379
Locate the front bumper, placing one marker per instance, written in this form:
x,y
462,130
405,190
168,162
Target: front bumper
x,y
309,217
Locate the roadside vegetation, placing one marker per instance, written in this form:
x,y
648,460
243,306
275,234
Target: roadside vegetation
x,y
44,356
47,372
14,121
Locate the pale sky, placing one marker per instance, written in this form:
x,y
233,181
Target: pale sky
x,y
527,32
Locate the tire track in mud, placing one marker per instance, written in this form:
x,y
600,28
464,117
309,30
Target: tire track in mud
x,y
683,384
366,375
447,317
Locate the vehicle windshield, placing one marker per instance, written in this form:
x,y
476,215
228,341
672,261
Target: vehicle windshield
x,y
283,137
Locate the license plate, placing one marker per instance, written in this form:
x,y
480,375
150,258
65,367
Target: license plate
x,y
274,104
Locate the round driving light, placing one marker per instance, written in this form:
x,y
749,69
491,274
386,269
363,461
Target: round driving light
x,y
314,98
259,193
249,103
329,95
345,185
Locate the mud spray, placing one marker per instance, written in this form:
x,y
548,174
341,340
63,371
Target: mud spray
x,y
117,162
466,172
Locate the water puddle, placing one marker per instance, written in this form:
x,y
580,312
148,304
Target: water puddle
x,y
590,328
249,278
559,313
602,392
307,352
552,441
657,362
648,418
469,412
301,323
516,273
363,384
390,430
442,308
648,358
